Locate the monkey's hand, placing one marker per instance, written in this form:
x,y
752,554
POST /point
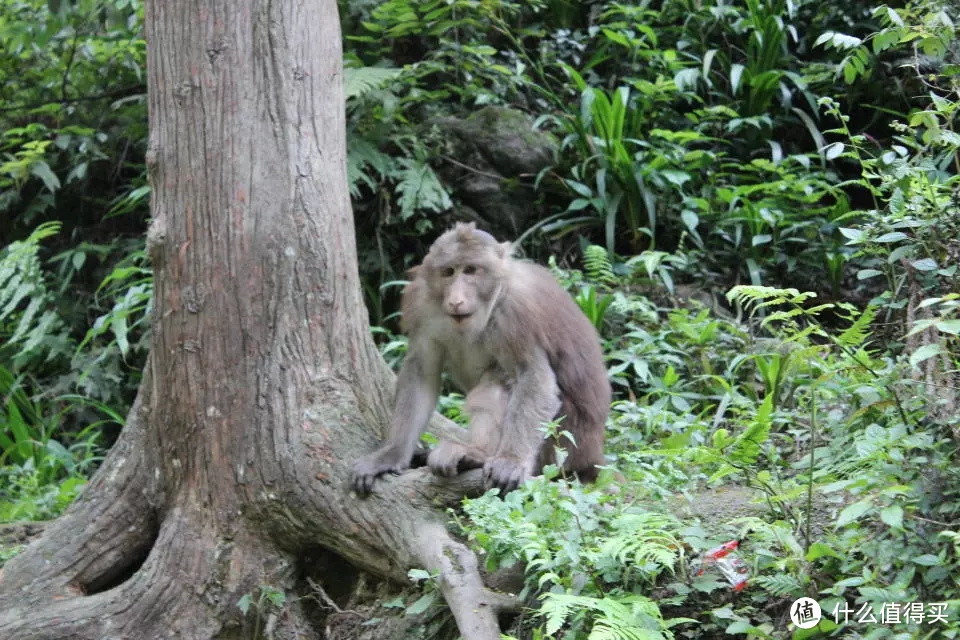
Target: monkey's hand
x,y
449,458
505,473
370,467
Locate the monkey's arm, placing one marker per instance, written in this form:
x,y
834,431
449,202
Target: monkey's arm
x,y
418,386
534,399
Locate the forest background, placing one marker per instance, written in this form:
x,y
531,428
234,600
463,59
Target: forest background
x,y
755,203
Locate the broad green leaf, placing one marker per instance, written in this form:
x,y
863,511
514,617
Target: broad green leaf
x,y
833,151
853,513
892,516
422,604
42,170
893,236
819,550
949,326
925,352
854,235
736,74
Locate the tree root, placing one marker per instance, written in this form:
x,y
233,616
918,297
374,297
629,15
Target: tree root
x,y
104,535
474,607
425,542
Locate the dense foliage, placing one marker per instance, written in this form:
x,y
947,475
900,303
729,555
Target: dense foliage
x,y
755,201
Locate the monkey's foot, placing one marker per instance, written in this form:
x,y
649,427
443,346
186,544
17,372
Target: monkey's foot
x,y
449,458
505,473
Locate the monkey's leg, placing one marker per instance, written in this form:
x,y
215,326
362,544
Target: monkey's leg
x,y
486,405
533,399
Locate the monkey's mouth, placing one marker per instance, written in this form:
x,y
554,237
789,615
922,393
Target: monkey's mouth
x,y
460,317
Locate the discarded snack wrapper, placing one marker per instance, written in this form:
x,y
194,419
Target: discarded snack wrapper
x,y
731,565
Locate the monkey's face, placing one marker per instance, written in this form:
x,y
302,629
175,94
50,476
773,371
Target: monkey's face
x,y
465,271
467,291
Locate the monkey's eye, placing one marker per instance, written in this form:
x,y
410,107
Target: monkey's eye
x,y
469,269
448,272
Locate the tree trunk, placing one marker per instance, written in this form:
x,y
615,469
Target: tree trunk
x,y
263,384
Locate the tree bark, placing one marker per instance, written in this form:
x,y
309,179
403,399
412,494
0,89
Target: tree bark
x,y
263,384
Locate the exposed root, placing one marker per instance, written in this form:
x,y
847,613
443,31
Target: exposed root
x,y
474,607
130,609
105,534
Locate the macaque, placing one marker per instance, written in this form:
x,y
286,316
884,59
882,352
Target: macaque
x,y
518,346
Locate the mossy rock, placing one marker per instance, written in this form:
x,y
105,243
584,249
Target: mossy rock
x,y
495,154
506,139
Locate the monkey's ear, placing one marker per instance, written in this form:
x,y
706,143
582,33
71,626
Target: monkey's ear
x,y
505,250
413,271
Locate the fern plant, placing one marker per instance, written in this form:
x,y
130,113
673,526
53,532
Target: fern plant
x,y
360,81
587,555
597,265
630,617
29,324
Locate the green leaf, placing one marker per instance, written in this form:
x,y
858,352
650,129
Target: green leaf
x,y
949,326
119,328
736,74
419,188
421,605
675,177
833,151
892,516
854,235
853,513
42,170
825,625
926,560
244,603
924,264
819,550
893,236
418,575
580,188
925,352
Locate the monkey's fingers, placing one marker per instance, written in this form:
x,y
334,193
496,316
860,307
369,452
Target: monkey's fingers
x,y
504,473
361,483
363,475
367,469
445,459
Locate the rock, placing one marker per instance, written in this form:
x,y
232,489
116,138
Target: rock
x,y
492,159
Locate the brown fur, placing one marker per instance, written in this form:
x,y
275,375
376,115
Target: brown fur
x,y
510,336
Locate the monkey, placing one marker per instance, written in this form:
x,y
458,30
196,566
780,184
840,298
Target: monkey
x,y
520,348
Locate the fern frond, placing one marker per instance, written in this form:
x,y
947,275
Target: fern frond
x,y
630,617
366,164
33,326
780,585
746,448
759,297
859,331
419,188
359,81
642,539
596,263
